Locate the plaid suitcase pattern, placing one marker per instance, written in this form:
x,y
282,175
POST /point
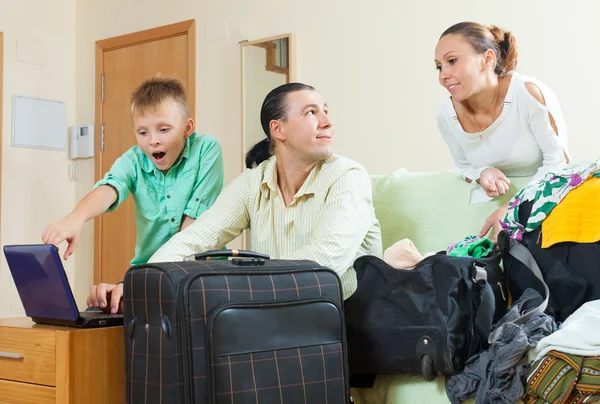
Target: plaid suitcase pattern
x,y
167,311
300,375
153,358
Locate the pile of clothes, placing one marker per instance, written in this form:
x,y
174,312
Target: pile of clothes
x,y
543,361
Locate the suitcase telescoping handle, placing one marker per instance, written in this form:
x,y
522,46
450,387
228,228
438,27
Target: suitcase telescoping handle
x,y
226,253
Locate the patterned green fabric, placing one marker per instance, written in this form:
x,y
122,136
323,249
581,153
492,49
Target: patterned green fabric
x,y
563,378
545,194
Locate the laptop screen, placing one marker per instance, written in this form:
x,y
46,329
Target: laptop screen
x,y
41,281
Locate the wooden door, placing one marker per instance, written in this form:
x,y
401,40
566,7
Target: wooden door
x,y
123,64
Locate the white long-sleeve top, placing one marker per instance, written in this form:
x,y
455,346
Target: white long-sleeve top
x,y
520,142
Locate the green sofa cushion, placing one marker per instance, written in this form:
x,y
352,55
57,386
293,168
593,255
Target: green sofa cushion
x,y
430,208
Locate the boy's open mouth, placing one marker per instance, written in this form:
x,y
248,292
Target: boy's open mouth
x,y
158,156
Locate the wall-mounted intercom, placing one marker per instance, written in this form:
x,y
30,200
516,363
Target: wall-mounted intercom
x,y
82,142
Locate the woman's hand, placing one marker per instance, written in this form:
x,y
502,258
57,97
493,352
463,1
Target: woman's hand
x,y
493,221
494,182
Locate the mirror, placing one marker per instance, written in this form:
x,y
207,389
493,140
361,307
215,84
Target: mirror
x,y
266,64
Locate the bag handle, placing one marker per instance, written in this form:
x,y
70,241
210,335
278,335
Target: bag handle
x,y
522,254
208,255
485,313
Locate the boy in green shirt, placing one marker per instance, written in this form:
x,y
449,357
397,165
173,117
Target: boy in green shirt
x,y
173,174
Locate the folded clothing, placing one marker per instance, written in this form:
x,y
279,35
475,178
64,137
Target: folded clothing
x,y
545,194
578,335
403,255
563,378
576,217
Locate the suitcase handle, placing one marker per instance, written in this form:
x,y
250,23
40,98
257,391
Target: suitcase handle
x,y
227,253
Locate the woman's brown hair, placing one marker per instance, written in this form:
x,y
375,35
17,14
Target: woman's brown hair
x,y
482,38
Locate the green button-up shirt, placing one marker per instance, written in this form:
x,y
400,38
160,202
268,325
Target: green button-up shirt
x,y
161,200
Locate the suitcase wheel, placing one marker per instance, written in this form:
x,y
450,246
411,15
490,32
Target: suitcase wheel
x,y
427,368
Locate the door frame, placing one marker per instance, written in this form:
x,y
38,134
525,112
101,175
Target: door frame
x,y
150,35
291,77
1,97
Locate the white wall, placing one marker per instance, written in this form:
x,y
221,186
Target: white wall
x,y
39,61
373,62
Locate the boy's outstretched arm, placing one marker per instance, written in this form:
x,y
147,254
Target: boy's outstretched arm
x,y
69,228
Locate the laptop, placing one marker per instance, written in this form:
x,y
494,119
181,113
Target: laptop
x,y
44,289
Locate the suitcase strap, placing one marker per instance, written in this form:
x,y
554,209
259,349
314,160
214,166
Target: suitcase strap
x,y
521,253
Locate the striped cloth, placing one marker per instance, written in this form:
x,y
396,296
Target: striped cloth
x,y
331,219
565,379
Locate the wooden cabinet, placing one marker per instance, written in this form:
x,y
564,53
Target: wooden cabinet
x,y
42,364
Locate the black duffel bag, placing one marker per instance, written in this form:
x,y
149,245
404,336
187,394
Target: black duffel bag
x,y
426,320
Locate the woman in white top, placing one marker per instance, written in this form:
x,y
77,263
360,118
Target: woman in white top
x,y
496,122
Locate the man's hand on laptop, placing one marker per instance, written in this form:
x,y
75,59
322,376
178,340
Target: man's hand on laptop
x,y
68,229
107,297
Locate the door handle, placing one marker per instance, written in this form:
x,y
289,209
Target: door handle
x,y
11,355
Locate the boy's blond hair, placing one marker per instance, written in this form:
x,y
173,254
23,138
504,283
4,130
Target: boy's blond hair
x,y
155,92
